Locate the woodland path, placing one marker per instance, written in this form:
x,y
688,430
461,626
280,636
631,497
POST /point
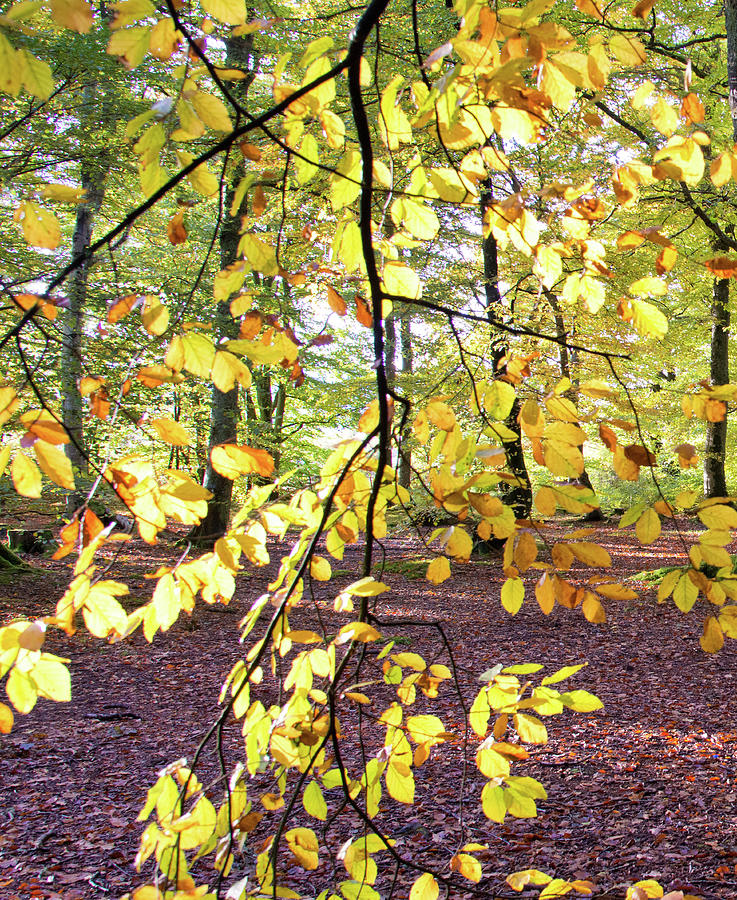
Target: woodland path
x,y
644,788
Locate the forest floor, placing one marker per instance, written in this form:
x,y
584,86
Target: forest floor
x,y
644,788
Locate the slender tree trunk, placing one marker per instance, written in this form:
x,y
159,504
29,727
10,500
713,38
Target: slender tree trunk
x,y
224,408
72,349
567,362
715,451
715,481
518,496
407,364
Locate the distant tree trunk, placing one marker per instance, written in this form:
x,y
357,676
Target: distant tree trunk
x,y
224,408
715,451
518,496
92,177
715,481
566,370
407,365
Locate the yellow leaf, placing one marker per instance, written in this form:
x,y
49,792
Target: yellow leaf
x,y
231,460
40,227
467,866
440,415
45,425
459,545
530,729
647,319
718,517
648,527
593,610
195,827
320,568
513,595
198,354
401,281
545,593
357,631
590,554
400,782
21,691
649,287
712,640
54,464
438,571
545,501
6,721
664,117
629,51
518,881
76,15
685,593
172,432
425,888
131,44
52,678
314,802
155,316
26,476
232,12
227,369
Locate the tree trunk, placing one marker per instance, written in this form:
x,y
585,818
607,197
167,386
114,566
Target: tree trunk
x,y
407,363
715,481
224,407
567,362
715,450
518,496
73,323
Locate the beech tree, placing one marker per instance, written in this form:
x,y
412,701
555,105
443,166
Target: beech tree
x,y
347,164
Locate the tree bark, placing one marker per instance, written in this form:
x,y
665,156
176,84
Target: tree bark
x,y
224,406
407,365
715,481
518,496
72,350
715,450
567,362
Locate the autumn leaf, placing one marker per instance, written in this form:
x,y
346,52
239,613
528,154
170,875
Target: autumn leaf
x,y
175,230
722,266
231,460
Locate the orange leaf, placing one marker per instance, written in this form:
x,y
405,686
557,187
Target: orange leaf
x,y
608,437
250,151
693,109
31,301
230,461
363,313
642,9
722,266
640,455
100,403
259,202
336,302
175,229
251,324
120,309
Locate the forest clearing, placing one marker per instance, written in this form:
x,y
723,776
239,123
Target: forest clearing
x,y
368,486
